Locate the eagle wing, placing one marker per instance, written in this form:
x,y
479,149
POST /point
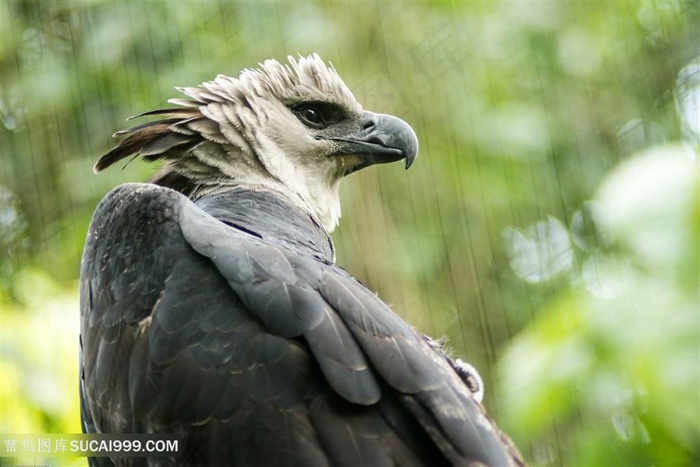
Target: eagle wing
x,y
256,354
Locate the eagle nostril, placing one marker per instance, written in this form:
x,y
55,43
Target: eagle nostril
x,y
369,125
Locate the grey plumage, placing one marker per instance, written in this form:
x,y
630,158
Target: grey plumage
x,y
211,306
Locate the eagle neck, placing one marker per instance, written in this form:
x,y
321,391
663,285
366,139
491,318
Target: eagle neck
x,y
273,219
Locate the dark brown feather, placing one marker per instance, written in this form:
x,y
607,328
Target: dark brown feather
x,y
164,143
180,113
160,139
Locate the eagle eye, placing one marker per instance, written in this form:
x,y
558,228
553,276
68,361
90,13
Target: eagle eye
x,y
318,115
310,115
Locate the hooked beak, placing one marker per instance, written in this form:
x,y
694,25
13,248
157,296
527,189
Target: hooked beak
x,y
380,139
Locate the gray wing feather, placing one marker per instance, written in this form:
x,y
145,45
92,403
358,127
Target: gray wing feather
x,y
198,365
184,298
279,287
347,327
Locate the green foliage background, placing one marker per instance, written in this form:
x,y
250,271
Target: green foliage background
x,y
549,228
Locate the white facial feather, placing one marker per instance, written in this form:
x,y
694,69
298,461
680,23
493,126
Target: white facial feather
x,y
268,147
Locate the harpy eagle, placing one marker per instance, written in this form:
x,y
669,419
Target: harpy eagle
x,y
212,308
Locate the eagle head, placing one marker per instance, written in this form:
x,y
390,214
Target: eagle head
x,y
294,128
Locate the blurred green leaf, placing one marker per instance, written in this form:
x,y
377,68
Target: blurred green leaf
x,y
627,362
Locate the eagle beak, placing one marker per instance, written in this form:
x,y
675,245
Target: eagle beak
x,y
380,139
